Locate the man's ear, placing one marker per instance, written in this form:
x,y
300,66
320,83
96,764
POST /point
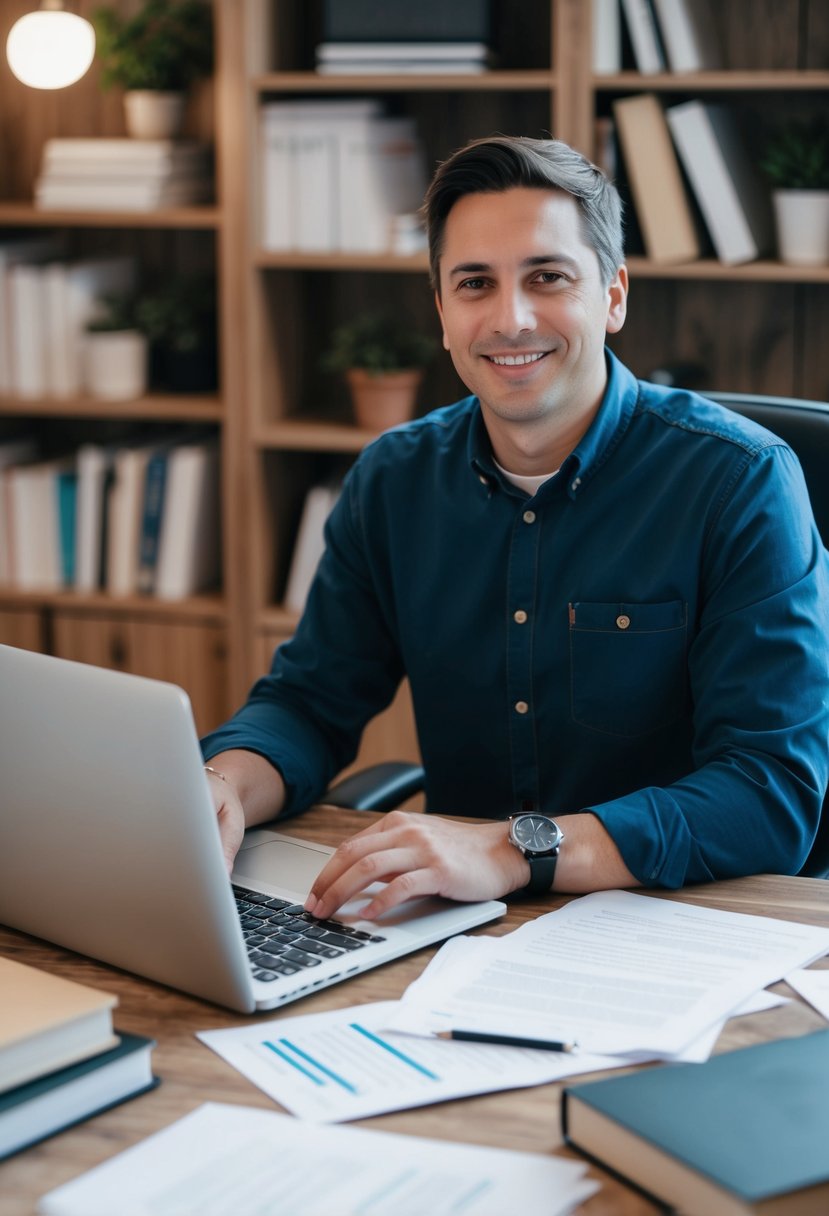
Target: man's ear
x,y
442,325
617,301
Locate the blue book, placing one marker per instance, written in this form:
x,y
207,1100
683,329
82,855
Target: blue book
x,y
67,514
745,1132
49,1104
154,487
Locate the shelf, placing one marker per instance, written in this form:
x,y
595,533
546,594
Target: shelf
x,y
416,263
708,268
26,215
155,407
311,82
312,435
200,607
720,82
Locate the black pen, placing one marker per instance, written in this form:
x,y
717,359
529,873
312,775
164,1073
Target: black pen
x,y
505,1040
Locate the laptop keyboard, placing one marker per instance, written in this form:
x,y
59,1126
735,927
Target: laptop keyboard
x,y
282,938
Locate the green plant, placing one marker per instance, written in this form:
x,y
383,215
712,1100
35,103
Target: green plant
x,y
796,155
179,315
378,344
114,313
163,47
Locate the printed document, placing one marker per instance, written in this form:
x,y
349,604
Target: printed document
x,y
813,986
615,972
224,1160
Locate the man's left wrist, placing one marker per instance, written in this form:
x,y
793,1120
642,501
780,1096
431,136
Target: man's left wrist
x,y
538,838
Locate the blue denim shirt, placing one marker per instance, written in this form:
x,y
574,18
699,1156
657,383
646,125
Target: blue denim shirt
x,y
645,638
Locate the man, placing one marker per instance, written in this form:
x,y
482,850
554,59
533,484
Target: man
x,y
609,598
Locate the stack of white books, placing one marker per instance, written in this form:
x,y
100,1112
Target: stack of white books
x,y
411,58
336,175
123,174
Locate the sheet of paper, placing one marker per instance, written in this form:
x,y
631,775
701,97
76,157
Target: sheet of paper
x,y
224,1160
343,1064
617,973
813,986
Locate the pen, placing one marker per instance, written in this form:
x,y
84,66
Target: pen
x,y
505,1040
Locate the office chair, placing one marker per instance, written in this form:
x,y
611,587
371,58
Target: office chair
x,y
804,425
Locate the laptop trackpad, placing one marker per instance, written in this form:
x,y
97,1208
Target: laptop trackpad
x,y
280,861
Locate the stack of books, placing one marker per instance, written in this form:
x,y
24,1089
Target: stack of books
x,y
122,174
664,35
408,58
139,518
60,1060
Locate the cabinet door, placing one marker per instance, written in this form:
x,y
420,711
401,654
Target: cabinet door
x,y
190,654
23,629
389,736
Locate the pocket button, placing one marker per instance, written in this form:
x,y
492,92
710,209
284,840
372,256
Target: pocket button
x,y
622,621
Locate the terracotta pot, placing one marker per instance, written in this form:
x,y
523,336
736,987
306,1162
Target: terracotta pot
x,y
383,400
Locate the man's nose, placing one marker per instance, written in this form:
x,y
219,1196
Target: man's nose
x,y
512,314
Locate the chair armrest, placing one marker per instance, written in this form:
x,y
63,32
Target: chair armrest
x,y
381,787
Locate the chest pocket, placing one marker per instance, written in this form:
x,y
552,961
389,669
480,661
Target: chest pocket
x,y
628,668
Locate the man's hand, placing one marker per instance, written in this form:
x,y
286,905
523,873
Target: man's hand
x,y
230,815
419,855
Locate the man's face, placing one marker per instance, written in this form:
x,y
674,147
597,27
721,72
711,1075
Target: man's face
x,y
523,308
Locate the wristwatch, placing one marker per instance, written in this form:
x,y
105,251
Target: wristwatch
x,y
539,838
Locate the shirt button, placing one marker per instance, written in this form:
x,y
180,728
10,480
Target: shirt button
x,y
521,707
529,517
575,484
483,480
520,616
622,621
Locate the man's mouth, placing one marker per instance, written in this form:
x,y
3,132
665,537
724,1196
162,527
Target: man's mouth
x,y
516,360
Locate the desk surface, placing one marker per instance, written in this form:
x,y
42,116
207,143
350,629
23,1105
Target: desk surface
x,y
191,1074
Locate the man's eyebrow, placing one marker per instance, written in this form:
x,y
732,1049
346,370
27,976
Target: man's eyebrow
x,y
541,259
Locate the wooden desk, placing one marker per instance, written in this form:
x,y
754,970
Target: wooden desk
x,y
191,1074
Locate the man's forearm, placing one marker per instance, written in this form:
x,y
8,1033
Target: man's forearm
x,y
257,784
589,859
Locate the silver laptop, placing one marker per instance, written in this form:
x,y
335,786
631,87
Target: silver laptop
x,y
109,846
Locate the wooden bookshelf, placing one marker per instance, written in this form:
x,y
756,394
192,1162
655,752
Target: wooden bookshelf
x,y
282,423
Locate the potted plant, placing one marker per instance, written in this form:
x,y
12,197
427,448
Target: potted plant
x,y
796,162
178,318
115,353
383,360
155,55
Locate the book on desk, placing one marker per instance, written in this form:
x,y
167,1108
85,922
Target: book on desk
x,y
746,1132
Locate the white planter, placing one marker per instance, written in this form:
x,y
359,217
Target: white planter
x,y
115,364
153,115
802,226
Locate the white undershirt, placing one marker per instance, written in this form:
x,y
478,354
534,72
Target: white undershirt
x,y
530,485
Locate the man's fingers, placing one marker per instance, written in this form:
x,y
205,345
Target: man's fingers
x,y
327,896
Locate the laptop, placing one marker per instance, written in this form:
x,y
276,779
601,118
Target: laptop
x,y
110,847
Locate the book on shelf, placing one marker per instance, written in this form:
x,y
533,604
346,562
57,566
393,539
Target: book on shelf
x,y
60,1099
426,21
27,334
383,176
67,490
108,194
47,1023
155,480
125,518
13,452
745,1132
731,195
12,253
663,210
93,463
358,58
189,543
122,174
34,546
128,157
606,37
309,544
688,35
645,40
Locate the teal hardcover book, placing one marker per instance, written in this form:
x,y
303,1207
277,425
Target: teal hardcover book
x,y
746,1132
67,515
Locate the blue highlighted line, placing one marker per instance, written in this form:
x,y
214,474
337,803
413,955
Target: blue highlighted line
x,y
394,1051
283,1056
352,1089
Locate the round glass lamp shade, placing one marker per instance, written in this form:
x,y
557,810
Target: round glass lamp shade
x,y
50,49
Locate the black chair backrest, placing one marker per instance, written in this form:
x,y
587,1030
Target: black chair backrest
x,y
804,425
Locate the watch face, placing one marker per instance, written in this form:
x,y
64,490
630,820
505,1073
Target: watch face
x,y
536,833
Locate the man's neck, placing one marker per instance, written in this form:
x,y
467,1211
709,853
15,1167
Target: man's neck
x,y
537,446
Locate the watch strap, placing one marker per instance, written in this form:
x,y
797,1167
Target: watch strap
x,y
542,873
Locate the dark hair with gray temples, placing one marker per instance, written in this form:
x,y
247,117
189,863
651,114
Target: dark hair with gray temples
x,y
501,162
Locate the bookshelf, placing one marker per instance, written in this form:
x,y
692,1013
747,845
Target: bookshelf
x,y
282,423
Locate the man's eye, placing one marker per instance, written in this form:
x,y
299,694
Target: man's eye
x,y
550,276
474,284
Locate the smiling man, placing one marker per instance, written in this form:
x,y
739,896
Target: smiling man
x,y
610,599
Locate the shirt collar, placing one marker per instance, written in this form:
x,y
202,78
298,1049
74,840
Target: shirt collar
x,y
595,446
